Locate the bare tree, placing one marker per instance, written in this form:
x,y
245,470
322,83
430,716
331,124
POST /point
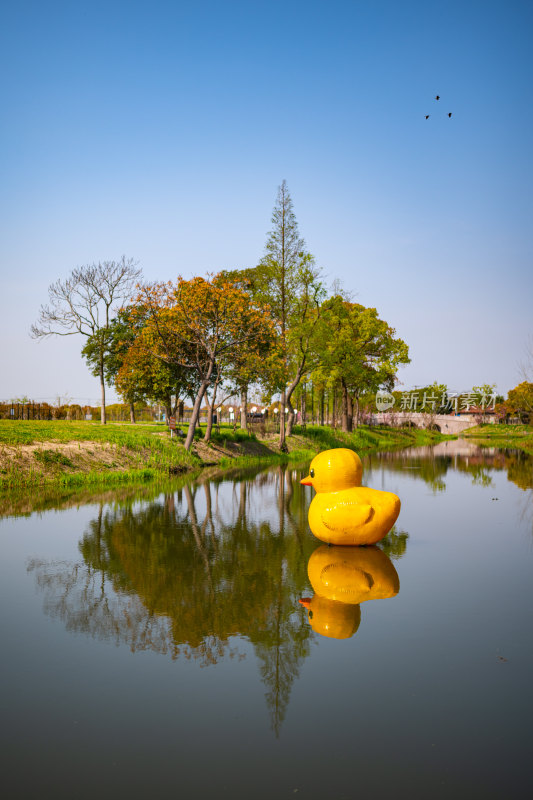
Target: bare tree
x,y
85,303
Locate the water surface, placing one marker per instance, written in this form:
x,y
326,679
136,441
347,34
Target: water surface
x,y
154,643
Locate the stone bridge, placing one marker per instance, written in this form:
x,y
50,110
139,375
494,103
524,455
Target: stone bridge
x,y
445,423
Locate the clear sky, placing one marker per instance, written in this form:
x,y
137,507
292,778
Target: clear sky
x,y
161,130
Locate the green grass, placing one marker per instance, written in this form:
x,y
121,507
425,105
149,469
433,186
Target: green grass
x,y
365,439
122,452
13,432
229,435
519,437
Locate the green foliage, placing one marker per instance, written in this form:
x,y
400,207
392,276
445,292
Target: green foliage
x,y
358,352
111,344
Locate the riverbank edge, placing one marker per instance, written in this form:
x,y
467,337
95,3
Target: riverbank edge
x,y
506,437
100,461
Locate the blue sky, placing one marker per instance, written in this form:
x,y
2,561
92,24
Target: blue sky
x,y
161,131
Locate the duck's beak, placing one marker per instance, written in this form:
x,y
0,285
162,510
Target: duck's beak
x,y
305,601
307,481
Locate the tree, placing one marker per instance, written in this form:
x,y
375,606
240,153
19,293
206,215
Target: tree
x,y
142,375
520,400
84,303
287,280
196,323
120,337
245,367
359,351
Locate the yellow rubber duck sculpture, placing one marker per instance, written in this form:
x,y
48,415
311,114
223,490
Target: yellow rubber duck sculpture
x,y
344,577
342,511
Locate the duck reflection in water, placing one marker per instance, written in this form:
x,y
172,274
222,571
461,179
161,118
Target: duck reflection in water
x,y
342,578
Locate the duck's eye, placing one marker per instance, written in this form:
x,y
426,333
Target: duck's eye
x,y
312,473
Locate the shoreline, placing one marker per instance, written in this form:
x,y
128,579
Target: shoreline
x,y
84,455
512,437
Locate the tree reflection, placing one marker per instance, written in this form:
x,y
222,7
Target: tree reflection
x,y
427,465
193,574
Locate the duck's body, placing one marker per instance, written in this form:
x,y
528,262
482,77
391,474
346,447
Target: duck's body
x,y
353,516
344,512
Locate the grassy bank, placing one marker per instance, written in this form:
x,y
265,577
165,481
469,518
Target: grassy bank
x,y
77,454
366,439
518,437
81,453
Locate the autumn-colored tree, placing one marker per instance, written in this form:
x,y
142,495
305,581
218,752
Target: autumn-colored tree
x,y
194,323
142,375
246,367
520,400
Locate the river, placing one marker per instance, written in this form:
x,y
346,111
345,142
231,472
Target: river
x,y
153,642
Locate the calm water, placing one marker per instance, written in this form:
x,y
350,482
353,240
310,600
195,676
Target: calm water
x,y
153,643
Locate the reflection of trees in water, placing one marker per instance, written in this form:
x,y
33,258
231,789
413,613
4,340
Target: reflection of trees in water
x,y
394,544
432,469
519,467
187,574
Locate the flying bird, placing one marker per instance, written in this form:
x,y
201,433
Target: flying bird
x,y
437,97
427,116
450,114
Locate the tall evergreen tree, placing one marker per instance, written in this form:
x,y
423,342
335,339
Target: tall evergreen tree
x,y
287,279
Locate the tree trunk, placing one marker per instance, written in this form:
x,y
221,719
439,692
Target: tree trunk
x,y
196,408
356,415
209,426
132,413
244,408
345,415
322,398
168,409
291,417
350,413
287,402
282,435
103,419
211,409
